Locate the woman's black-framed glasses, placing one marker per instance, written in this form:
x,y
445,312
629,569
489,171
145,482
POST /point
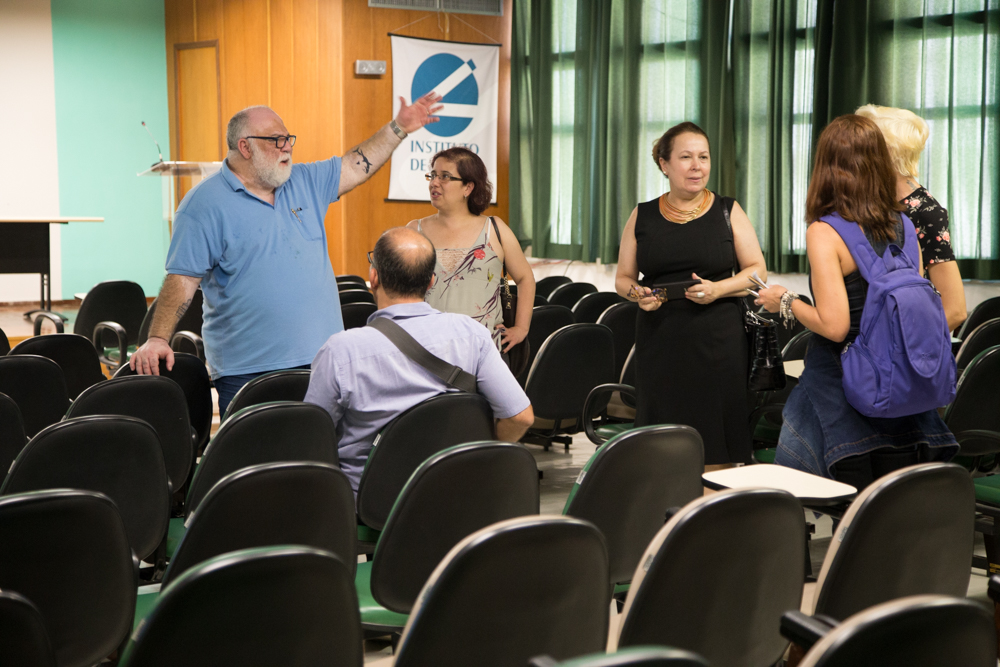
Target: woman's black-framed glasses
x,y
279,141
444,178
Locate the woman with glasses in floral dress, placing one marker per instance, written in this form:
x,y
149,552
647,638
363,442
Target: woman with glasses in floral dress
x,y
470,257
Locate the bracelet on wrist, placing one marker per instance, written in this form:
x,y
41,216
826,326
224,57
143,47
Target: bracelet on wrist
x,y
785,308
394,126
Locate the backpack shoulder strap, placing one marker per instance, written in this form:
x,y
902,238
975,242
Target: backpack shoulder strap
x,y
856,241
451,375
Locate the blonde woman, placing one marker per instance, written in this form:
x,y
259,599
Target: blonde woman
x,y
906,134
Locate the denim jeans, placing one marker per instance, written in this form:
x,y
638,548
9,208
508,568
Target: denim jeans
x,y
229,385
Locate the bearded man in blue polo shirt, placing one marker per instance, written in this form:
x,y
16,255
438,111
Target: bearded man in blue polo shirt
x,y
252,236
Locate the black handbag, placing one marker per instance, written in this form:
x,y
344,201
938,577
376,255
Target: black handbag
x,y
517,357
766,370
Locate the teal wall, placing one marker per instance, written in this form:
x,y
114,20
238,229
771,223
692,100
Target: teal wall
x,y
110,74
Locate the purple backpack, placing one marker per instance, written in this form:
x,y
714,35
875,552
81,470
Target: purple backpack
x,y
901,362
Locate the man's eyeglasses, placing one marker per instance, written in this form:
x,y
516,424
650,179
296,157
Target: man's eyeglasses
x,y
444,178
371,258
279,142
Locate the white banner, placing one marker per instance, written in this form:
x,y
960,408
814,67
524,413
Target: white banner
x,y
467,78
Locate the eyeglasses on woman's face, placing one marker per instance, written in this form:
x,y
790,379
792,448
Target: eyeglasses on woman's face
x,y
443,177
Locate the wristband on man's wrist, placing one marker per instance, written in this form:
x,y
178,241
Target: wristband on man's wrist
x,y
394,126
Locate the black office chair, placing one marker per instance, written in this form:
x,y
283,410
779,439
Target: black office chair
x,y
37,385
190,374
4,343
357,314
627,486
918,631
451,495
540,301
909,533
111,315
350,278
446,420
309,504
75,354
117,456
621,319
795,349
572,361
289,385
545,286
510,592
157,400
186,336
356,296
67,551
292,606
12,437
569,294
985,311
24,641
639,656
718,576
545,321
590,307
983,337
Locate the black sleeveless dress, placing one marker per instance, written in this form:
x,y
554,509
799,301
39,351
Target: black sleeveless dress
x,y
691,359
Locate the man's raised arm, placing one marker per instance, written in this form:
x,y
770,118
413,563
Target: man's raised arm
x,y
174,300
359,163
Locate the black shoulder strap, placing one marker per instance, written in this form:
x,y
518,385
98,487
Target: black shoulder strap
x,y
451,375
496,233
729,226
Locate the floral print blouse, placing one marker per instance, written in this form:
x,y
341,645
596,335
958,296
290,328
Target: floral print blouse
x,y
931,221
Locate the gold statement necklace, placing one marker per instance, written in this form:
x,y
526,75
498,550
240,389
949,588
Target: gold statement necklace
x,y
675,214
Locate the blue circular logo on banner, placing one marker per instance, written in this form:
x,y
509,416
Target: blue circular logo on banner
x,y
448,69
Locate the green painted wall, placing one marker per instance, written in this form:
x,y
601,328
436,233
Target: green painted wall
x,y
110,74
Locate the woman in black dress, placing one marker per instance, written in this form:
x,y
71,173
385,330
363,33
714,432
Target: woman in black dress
x,y
691,352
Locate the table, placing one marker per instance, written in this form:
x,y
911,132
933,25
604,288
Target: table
x,y
24,248
811,490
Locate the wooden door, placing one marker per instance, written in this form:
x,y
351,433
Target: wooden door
x,y
200,136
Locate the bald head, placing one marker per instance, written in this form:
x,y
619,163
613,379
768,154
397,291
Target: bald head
x,y
404,259
248,122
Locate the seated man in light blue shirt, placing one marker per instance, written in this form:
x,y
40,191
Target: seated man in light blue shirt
x,y
364,381
252,236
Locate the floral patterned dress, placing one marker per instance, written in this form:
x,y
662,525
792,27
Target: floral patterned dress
x,y
468,281
931,221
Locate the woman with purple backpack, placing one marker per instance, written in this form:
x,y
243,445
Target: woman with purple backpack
x,y
879,363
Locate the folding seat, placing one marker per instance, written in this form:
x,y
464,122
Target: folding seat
x,y
359,295
590,307
987,310
24,641
545,321
38,387
75,355
286,385
545,286
568,294
356,314
621,319
12,438
510,592
980,339
350,279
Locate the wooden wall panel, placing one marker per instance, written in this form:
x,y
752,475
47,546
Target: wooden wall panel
x,y
298,57
199,123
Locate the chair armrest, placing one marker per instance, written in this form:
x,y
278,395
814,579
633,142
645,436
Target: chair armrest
x,y
122,337
181,337
976,442
50,316
593,397
804,630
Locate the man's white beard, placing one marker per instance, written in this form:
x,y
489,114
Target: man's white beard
x,y
272,174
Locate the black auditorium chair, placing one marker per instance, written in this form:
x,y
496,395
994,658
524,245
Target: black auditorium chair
x,y
4,343
356,296
621,318
75,355
572,361
111,315
190,374
37,385
639,656
67,551
795,349
617,401
545,286
350,278
569,294
627,486
909,533
155,399
985,311
24,641
291,605
290,502
983,337
540,301
186,336
718,576
117,456
12,437
451,495
510,592
590,307
357,314
446,420
917,631
545,321
288,385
